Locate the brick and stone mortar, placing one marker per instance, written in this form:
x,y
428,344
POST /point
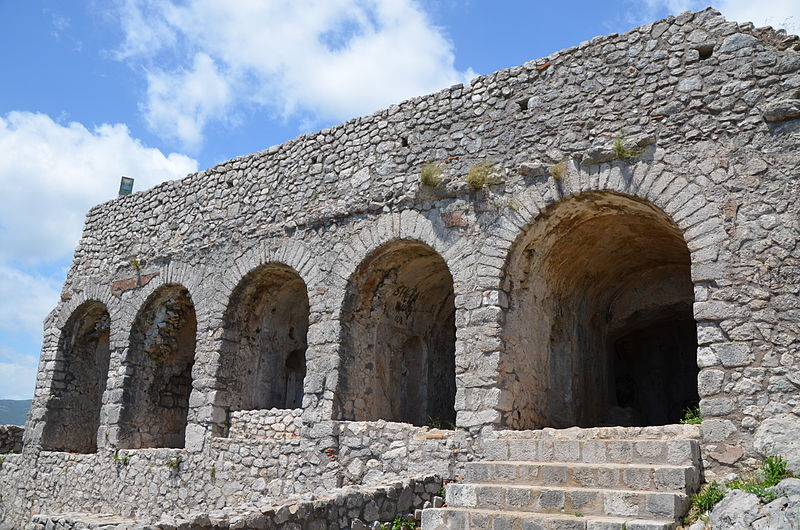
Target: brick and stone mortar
x,y
664,159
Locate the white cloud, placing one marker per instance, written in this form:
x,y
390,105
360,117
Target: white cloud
x,y
180,104
143,35
777,13
25,299
17,374
51,174
318,60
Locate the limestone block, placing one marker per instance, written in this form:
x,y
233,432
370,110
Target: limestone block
x,y
778,436
782,109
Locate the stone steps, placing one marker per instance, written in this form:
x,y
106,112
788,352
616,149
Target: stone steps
x,y
462,518
657,477
574,480
547,499
619,451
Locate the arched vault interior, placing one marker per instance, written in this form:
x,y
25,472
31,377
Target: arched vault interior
x,y
600,328
160,360
263,356
398,338
73,410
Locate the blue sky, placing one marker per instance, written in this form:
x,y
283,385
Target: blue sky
x,y
92,90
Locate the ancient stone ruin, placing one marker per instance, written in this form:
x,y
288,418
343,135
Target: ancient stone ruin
x,y
317,335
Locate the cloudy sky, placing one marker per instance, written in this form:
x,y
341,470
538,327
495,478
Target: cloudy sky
x,y
95,89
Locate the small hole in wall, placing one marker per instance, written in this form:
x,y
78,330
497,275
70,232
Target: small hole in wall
x,y
523,104
314,160
706,51
404,141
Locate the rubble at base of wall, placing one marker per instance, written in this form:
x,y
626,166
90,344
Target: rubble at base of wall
x,y
10,439
351,507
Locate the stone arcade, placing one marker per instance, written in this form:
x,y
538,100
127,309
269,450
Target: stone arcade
x,y
238,345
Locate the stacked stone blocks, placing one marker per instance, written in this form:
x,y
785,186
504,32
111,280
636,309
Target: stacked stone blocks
x,y
558,481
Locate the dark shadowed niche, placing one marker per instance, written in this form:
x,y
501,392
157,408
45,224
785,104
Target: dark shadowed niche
x,y
263,355
79,379
159,361
398,338
600,328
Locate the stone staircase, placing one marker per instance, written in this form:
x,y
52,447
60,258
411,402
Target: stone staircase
x,y
592,479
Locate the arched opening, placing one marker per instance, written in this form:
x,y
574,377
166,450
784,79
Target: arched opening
x,y
295,370
79,379
263,358
398,338
160,360
600,328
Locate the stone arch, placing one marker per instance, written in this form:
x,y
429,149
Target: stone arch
x,y
263,349
161,354
411,225
599,328
398,338
79,377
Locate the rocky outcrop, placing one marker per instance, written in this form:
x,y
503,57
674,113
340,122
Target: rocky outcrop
x,y
780,435
741,510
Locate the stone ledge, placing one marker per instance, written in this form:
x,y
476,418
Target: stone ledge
x,y
664,432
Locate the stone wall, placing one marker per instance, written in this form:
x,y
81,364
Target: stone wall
x,y
10,439
352,507
272,424
229,473
678,140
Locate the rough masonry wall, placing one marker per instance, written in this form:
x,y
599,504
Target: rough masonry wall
x,y
263,356
714,106
10,439
161,355
358,508
273,424
235,473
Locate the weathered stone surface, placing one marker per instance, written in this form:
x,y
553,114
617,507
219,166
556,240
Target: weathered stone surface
x,y
121,286
781,110
737,41
598,155
788,487
533,169
778,436
355,508
727,454
737,510
588,299
732,355
691,84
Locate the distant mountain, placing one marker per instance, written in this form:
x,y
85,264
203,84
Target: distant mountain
x,y
14,411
